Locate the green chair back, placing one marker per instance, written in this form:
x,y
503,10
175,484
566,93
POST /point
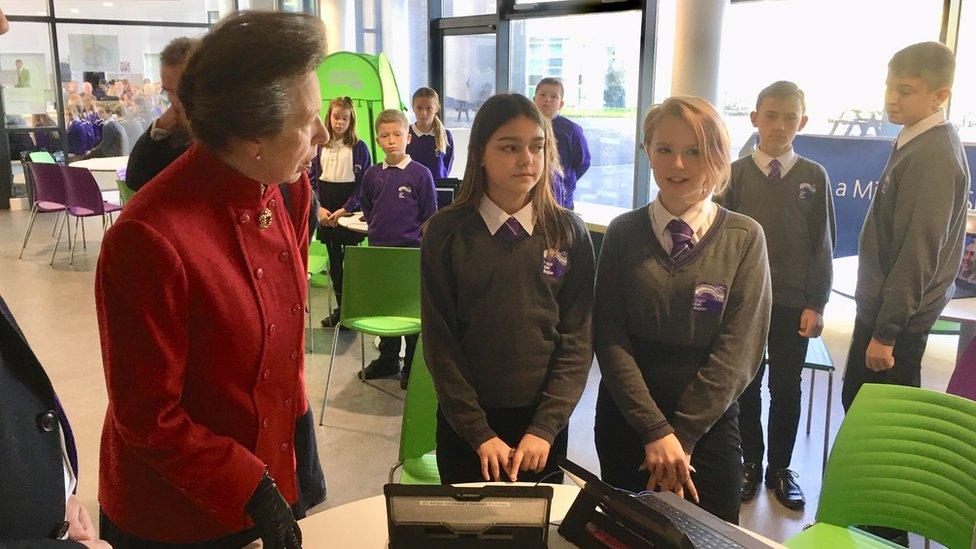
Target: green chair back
x,y
905,458
418,432
41,157
125,193
381,284
318,261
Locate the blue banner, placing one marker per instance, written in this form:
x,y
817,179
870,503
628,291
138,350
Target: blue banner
x,y
854,165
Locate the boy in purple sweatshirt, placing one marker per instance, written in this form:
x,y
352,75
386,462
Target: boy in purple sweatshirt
x,y
574,152
397,196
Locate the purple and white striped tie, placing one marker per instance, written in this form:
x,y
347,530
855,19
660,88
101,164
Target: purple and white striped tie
x,y
680,237
775,171
511,231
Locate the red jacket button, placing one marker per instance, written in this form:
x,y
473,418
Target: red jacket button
x,y
283,447
259,273
264,422
283,256
294,355
243,218
266,374
296,308
287,402
272,328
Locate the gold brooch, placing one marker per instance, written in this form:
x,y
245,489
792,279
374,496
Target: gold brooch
x,y
264,218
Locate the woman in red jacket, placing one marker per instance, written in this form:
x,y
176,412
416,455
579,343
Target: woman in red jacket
x,y
200,293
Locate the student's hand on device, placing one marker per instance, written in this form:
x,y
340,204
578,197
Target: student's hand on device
x,y
323,214
669,466
531,454
495,455
879,357
80,526
811,323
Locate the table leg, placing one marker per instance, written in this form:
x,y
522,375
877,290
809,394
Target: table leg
x,y
967,330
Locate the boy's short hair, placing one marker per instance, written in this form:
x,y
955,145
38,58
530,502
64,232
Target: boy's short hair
x,y
931,61
551,81
391,116
782,89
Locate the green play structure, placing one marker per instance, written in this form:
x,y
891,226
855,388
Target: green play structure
x,y
366,79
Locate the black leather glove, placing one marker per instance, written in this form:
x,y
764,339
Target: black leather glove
x,y
273,517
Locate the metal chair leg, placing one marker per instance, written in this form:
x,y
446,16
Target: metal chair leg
x,y
813,375
57,217
30,225
84,243
362,357
64,221
311,334
328,376
74,244
826,446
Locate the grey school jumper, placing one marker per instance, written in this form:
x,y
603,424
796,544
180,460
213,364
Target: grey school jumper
x,y
797,217
911,242
707,314
500,329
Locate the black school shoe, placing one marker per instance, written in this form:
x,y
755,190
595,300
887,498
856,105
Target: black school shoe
x,y
331,320
751,473
788,492
380,368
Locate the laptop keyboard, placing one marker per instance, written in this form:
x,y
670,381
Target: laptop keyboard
x,y
700,535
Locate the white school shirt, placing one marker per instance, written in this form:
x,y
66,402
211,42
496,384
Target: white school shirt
x,y
786,161
911,132
418,133
495,217
403,163
336,160
699,217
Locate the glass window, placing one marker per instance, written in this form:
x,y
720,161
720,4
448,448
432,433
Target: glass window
x,y
600,77
27,76
667,13
191,11
469,79
456,8
399,28
843,79
24,7
962,108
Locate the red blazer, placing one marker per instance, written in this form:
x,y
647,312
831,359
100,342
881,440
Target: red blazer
x,y
200,313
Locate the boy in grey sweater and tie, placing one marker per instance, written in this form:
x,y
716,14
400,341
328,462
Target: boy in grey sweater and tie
x,y
911,242
790,197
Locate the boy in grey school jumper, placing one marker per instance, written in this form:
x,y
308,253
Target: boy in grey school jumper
x,y
912,239
790,197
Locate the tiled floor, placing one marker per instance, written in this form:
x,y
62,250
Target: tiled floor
x,y
55,308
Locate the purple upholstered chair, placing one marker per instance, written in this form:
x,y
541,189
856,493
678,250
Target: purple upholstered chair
x,y
963,380
49,196
84,200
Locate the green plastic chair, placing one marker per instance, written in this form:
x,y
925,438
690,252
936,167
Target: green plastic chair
x,y
380,297
945,327
125,193
41,157
418,432
318,260
904,458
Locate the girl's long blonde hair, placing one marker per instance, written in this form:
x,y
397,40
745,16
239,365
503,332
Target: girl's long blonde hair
x,y
552,219
440,133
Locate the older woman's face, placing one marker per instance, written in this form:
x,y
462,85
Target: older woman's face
x,y
288,154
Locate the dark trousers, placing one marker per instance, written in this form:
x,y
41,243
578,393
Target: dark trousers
x,y
717,458
333,196
908,351
458,462
390,350
787,354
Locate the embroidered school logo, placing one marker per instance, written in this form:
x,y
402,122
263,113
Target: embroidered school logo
x,y
356,168
403,191
709,298
806,191
555,263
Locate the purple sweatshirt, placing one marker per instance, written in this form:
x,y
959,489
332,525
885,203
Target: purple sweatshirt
x,y
396,202
423,149
574,155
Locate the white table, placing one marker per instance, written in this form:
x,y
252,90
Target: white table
x,y
962,310
105,164
363,523
353,223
